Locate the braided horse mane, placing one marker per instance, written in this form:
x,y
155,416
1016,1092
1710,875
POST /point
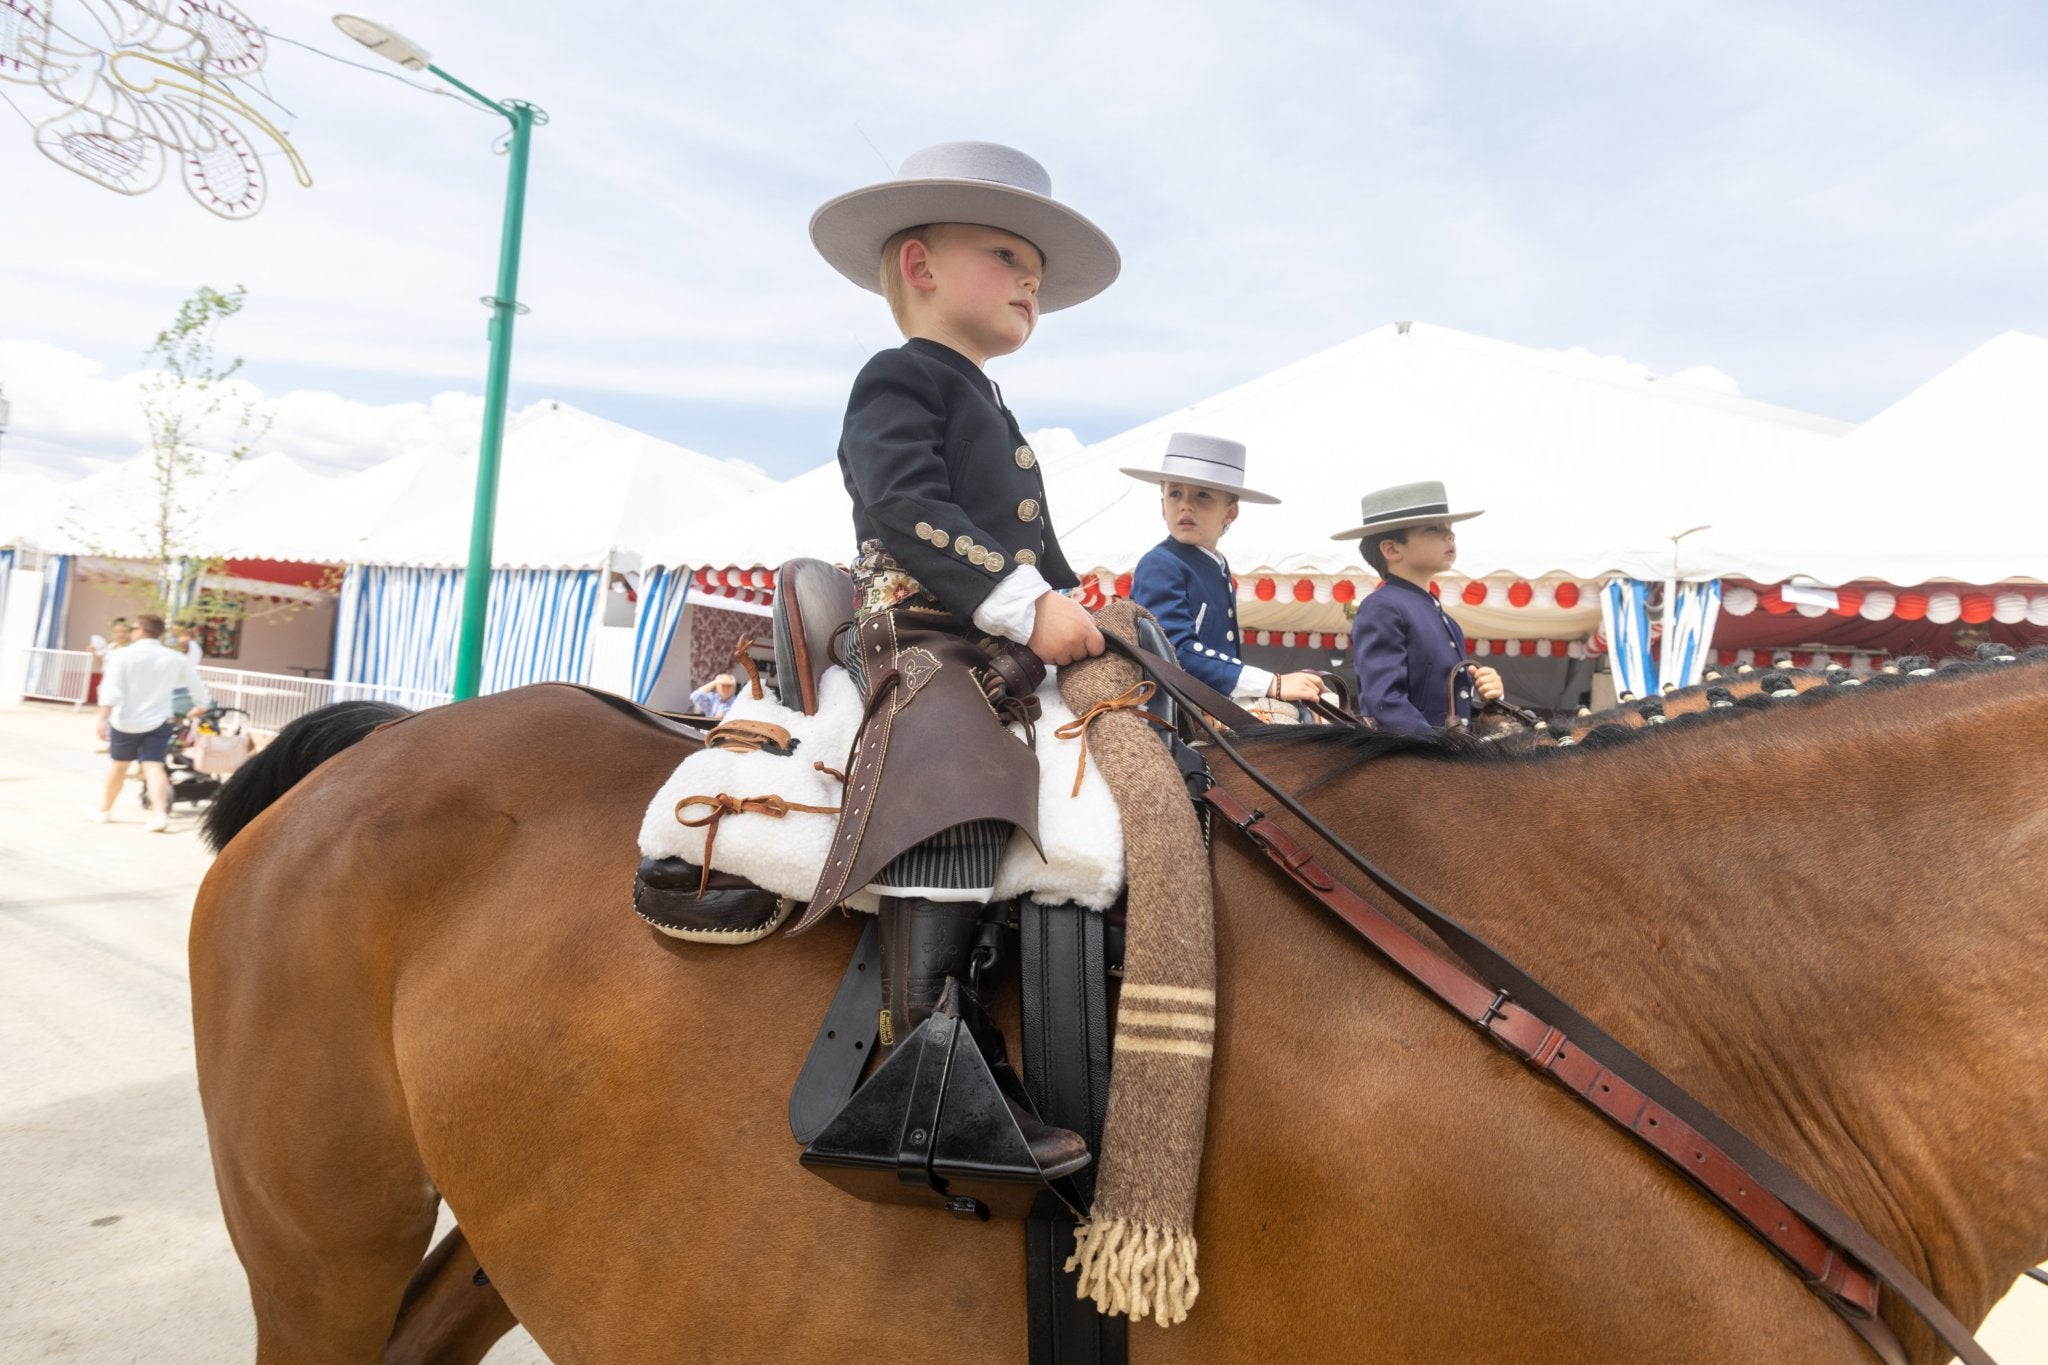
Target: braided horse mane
x,y
1723,697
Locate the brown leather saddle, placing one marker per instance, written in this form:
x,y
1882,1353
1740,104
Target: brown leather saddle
x,y
813,603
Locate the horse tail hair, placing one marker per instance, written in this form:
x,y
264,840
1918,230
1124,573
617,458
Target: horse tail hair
x,y
299,748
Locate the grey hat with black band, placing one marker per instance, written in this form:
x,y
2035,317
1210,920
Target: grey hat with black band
x,y
1205,462
1401,507
969,182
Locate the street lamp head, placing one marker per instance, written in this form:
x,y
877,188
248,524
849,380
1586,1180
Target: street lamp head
x,y
384,41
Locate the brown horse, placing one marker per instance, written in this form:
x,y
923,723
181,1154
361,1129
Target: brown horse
x,y
415,978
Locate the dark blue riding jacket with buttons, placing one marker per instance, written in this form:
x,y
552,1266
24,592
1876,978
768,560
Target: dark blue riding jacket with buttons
x,y
941,475
1191,595
1404,646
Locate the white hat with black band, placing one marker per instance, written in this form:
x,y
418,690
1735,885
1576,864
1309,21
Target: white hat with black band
x,y
1205,462
969,182
1400,507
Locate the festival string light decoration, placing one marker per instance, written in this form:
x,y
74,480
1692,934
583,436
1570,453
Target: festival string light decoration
x,y
142,83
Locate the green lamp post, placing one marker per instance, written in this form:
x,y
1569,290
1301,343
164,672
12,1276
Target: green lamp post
x,y
504,305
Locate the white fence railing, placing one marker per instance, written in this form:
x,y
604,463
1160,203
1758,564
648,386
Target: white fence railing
x,y
274,700
58,674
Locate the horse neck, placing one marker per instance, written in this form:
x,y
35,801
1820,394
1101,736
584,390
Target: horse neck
x,y
1826,922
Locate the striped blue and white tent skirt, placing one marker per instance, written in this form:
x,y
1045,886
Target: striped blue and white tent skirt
x,y
397,627
663,595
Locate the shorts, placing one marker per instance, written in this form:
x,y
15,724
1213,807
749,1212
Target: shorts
x,y
149,746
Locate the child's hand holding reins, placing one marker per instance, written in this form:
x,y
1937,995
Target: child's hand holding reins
x,y
1062,631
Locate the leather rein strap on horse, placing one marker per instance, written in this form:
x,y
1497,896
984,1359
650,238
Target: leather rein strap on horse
x,y
1800,1224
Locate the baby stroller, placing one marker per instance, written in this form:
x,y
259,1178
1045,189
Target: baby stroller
x,y
203,752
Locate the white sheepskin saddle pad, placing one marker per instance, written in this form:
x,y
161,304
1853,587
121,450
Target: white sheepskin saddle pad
x,y
1084,842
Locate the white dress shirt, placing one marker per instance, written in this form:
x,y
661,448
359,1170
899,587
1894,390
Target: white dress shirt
x,y
139,681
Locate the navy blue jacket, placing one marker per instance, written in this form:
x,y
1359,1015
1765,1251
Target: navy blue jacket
x,y
939,473
1404,646
1191,595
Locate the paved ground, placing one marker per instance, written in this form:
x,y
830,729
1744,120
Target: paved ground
x,y
111,1244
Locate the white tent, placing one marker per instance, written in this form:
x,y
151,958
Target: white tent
x,y
1587,470
24,498
574,490
1947,484
331,525
113,513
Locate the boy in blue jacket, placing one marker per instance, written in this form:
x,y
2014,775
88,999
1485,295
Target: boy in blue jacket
x,y
1403,644
1184,580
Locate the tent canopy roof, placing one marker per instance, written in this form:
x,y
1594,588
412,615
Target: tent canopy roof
x,y
573,490
114,511
1945,484
1586,468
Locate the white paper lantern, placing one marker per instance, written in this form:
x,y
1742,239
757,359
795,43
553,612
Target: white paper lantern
x,y
2037,611
1812,609
1543,649
1480,649
1575,650
1943,607
1738,601
2009,608
1878,605
1543,596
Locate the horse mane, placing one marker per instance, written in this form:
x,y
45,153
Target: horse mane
x,y
300,747
1352,746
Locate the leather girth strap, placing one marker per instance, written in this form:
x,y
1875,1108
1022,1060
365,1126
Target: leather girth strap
x,y
1064,1001
1575,1051
844,1042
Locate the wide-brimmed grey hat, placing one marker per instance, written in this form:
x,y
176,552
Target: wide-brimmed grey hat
x,y
1206,462
969,182
1400,507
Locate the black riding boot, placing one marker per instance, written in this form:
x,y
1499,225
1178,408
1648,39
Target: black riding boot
x,y
923,943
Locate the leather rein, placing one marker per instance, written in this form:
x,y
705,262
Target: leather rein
x,y
1833,1255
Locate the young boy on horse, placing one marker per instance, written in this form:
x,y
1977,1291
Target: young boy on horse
x,y
958,569
1184,580
1404,645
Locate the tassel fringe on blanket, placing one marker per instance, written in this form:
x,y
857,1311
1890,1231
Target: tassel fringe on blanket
x,y
1136,1251
1137,1270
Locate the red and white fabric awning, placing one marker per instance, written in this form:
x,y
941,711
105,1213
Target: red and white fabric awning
x,y
2009,604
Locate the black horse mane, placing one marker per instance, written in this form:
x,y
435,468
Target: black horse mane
x,y
300,747
1351,746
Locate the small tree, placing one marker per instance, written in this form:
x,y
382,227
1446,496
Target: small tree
x,y
200,426
187,396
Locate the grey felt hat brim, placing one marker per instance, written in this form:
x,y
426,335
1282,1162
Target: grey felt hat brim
x,y
1080,260
1163,478
1380,528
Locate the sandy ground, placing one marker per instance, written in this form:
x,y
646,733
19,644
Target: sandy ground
x,y
111,1244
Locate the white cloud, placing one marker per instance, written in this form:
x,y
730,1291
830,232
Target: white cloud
x,y
1829,200
70,417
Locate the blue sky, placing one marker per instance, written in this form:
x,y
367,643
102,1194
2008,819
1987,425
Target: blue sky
x,y
1827,202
